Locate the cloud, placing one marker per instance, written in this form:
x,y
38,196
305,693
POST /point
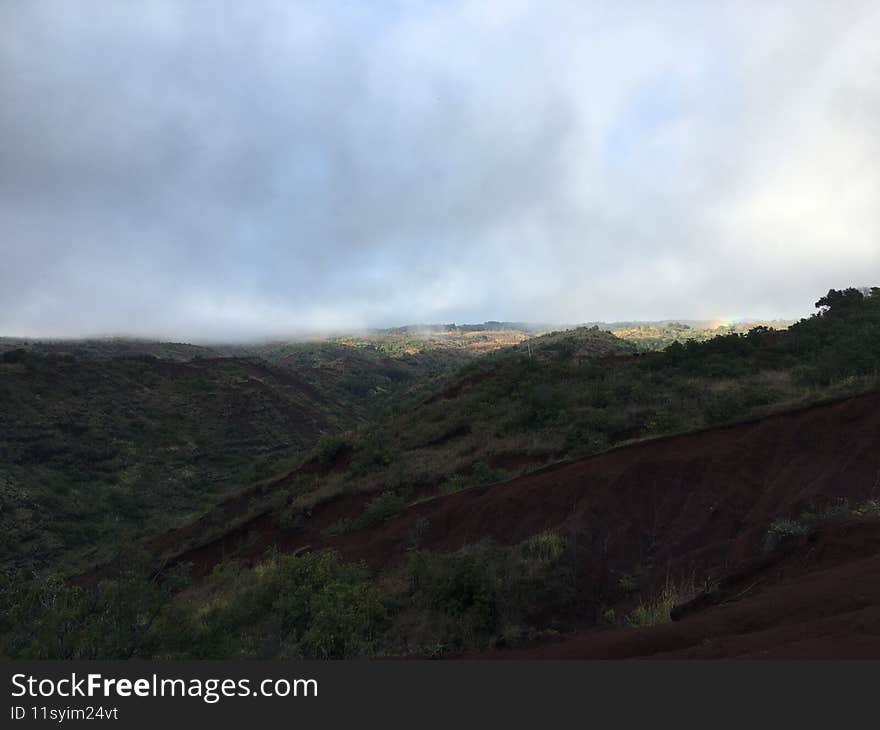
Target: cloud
x,y
215,170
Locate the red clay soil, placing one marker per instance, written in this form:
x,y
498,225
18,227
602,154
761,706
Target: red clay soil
x,y
694,499
820,600
684,507
250,540
682,503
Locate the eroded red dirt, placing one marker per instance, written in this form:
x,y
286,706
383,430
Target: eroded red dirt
x,y
683,502
821,600
689,506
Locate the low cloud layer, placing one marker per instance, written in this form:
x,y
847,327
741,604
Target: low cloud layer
x,y
205,170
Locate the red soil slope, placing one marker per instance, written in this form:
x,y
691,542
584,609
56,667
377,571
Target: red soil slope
x,y
682,503
690,507
819,600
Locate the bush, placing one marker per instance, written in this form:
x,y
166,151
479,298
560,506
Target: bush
x,y
481,594
480,475
311,606
871,508
46,617
454,483
331,448
383,507
783,530
541,405
658,610
786,529
372,456
328,609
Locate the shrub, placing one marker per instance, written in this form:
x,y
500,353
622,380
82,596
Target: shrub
x,y
786,529
836,512
328,609
383,507
485,592
871,508
330,448
454,483
783,530
372,456
46,617
485,474
312,606
658,610
542,551
542,403
481,474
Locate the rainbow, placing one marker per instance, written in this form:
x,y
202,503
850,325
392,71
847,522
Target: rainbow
x,y
727,322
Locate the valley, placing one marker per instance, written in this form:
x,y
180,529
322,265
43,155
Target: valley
x,y
450,492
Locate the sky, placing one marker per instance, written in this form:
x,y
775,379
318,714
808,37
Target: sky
x,y
224,170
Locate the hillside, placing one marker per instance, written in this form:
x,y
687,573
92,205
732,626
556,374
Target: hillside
x,y
572,394
653,336
106,348
648,503
765,534
107,439
92,450
442,436
563,486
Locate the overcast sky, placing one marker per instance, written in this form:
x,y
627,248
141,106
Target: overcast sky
x,y
209,170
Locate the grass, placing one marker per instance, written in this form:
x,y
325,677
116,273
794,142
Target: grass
x,y
382,508
658,610
786,529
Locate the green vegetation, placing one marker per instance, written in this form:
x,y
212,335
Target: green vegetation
x,y
101,349
481,473
658,610
99,450
454,435
783,530
103,440
483,595
95,451
289,606
357,378
650,337
369,373
383,507
469,340
786,529
580,392
330,449
46,617
295,606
